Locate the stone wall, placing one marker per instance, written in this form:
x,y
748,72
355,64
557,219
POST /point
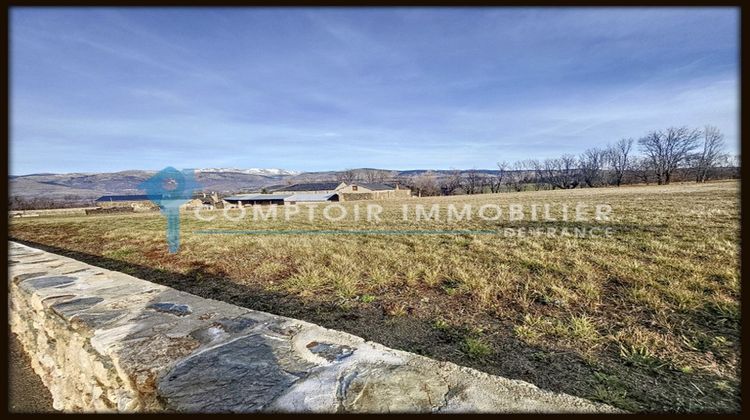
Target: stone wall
x,y
143,205
375,195
110,210
73,211
105,341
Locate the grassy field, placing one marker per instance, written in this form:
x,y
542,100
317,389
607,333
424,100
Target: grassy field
x,y
646,319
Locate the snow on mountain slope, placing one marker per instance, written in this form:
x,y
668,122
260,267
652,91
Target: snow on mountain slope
x,y
252,171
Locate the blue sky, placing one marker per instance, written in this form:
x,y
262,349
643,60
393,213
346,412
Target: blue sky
x,y
101,90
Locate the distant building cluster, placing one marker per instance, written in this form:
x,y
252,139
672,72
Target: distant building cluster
x,y
321,192
291,194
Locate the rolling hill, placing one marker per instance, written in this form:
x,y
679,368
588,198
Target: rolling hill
x,y
87,186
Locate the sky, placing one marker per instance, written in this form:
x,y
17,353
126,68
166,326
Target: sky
x,y
110,89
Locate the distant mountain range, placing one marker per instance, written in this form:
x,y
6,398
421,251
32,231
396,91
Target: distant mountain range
x,y
83,186
251,171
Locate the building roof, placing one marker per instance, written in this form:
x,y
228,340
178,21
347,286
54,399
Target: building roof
x,y
256,197
309,197
311,186
123,198
375,186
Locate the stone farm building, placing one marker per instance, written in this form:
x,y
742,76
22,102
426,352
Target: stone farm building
x,y
321,192
349,191
371,191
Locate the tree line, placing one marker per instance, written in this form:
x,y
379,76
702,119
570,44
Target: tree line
x,y
672,154
42,203
365,175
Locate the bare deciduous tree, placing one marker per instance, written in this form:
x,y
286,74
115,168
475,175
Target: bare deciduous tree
x,y
591,163
495,183
618,159
711,155
374,175
668,149
528,174
473,182
642,169
347,175
515,177
425,184
451,183
560,173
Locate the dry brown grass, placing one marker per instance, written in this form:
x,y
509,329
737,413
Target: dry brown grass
x,y
647,319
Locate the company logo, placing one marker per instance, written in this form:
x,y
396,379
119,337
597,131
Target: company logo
x,y
169,189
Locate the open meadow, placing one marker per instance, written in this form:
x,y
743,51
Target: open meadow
x,y
645,319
